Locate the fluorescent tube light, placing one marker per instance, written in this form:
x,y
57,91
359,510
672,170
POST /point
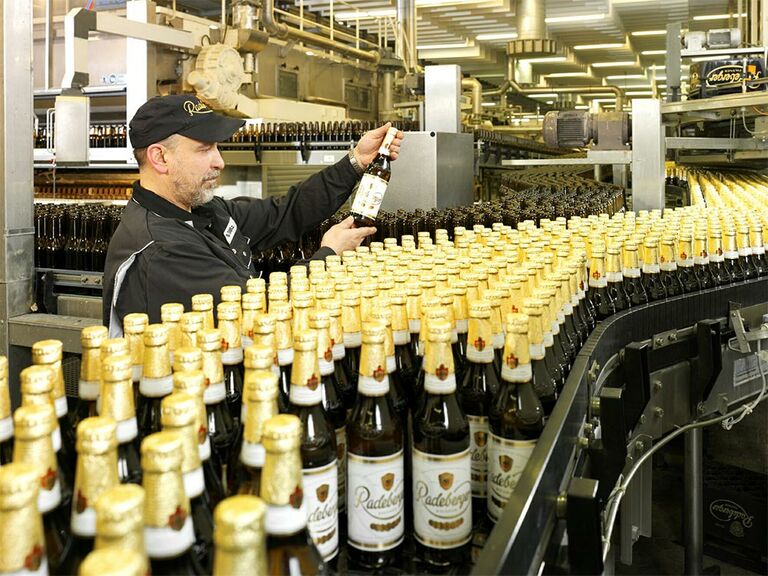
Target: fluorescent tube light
x,y
653,52
543,60
624,77
566,75
552,95
613,64
598,46
579,18
639,93
497,36
649,33
719,16
449,46
488,103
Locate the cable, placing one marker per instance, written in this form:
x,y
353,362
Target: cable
x,y
755,133
617,494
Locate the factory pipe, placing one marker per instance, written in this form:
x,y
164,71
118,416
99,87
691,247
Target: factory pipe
x,y
477,94
530,20
282,31
406,35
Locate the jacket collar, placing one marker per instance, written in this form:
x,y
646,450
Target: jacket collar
x,y
200,216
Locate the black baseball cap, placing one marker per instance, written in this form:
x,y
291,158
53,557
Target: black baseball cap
x,y
183,114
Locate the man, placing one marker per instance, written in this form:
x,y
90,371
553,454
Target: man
x,y
177,239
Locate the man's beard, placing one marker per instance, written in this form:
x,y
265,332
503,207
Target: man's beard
x,y
204,191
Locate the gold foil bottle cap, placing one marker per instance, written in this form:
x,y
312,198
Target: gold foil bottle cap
x,y
324,291
228,311
301,299
350,298
305,340
178,409
93,336
262,386
156,335
382,313
161,452
439,330
264,324
231,293
239,522
115,562
171,312
114,347
187,358
34,421
47,351
280,311
192,382
374,332
36,379
119,510
276,278
117,368
517,323
209,339
96,435
19,484
255,286
282,433
258,357
252,301
191,322
319,319
333,307
135,322
202,302
480,309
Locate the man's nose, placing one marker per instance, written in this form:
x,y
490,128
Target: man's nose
x,y
218,161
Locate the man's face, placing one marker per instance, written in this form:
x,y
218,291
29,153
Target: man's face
x,y
194,167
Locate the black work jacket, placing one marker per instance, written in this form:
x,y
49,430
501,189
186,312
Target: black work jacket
x,y
161,253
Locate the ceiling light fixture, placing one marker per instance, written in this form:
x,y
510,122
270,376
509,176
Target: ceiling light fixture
x,y
719,16
551,95
579,18
653,52
497,36
488,104
639,93
544,60
613,64
624,77
365,14
599,46
649,33
449,46
566,75
658,67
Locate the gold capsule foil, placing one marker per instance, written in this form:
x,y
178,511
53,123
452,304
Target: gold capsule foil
x,y
283,331
517,343
301,307
133,327
187,359
32,427
229,325
239,537
320,322
157,362
209,341
115,562
96,461
438,356
5,394
258,357
166,503
373,361
91,339
350,312
255,286
193,383
179,413
120,518
36,385
383,315
22,545
190,323
117,400
305,370
170,316
260,391
333,307
203,303
281,476
49,353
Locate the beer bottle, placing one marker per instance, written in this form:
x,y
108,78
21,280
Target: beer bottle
x,y
33,446
685,263
264,335
255,358
373,185
289,546
746,255
476,392
117,403
231,356
720,274
233,294
442,492
413,313
572,268
239,537
319,321
652,271
382,313
615,279
598,284
333,307
515,419
168,531
375,495
203,303
261,392
585,292
192,382
6,420
190,324
459,292
96,472
405,360
134,325
170,316
758,248
497,327
281,311
179,415
156,379
252,305
302,303
318,446
668,265
565,314
350,325
544,384
21,526
221,427
116,562
88,385
731,256
701,259
120,519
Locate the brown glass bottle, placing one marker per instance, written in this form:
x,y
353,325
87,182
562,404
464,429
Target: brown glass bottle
x,y
442,492
350,325
633,283
720,274
515,418
88,385
117,403
231,356
281,311
731,256
652,271
746,254
289,545
615,279
376,489
598,285
701,259
669,274
373,185
685,263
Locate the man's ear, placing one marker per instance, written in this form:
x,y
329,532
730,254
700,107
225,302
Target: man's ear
x,y
156,158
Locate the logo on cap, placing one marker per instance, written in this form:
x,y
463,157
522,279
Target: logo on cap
x,y
200,108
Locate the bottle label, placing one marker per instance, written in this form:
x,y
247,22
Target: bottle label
x,y
498,340
353,339
232,356
506,462
731,254
758,250
88,389
520,373
375,501
716,256
549,339
400,337
326,366
166,542
631,272
651,268
304,395
194,482
60,404
376,385
478,450
341,465
252,454
479,352
83,523
321,492
391,364
370,194
414,326
338,351
285,520
214,393
41,570
555,329
56,438
687,263
668,266
442,499
156,387
205,448
568,309
440,383
745,251
127,430
597,280
537,351
47,500
285,356
6,428
614,277
137,371
462,326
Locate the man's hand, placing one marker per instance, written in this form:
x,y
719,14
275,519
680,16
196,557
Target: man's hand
x,y
368,146
343,236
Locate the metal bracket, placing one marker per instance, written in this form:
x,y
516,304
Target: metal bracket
x,y
585,545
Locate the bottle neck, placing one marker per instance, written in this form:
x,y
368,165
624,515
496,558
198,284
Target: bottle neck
x,y
168,529
439,376
305,379
25,552
39,452
373,379
94,474
157,362
479,341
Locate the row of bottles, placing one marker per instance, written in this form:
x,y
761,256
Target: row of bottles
x,y
99,136
72,236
